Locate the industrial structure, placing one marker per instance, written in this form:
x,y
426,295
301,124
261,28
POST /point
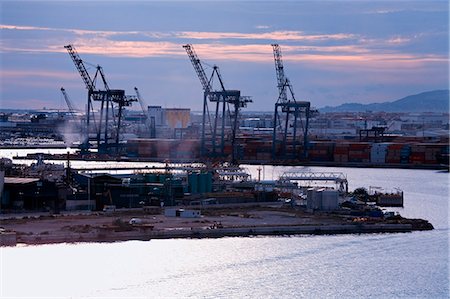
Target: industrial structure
x,y
338,178
284,141
106,141
149,122
212,141
70,106
291,134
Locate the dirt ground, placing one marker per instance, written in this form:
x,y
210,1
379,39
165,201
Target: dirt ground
x,y
214,218
213,222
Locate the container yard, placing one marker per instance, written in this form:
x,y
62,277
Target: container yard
x,y
199,175
184,200
295,133
342,153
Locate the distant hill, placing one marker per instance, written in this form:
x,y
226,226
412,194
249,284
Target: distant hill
x,y
430,101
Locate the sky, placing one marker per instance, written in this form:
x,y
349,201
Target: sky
x,y
333,52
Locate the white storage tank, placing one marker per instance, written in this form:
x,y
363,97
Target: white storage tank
x,y
314,198
322,199
330,200
318,199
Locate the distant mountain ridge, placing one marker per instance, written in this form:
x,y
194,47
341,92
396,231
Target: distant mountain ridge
x,y
429,101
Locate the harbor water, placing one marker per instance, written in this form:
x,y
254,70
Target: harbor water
x,y
408,265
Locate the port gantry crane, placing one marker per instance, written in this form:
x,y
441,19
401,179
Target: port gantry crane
x,y
216,143
289,107
149,123
69,103
107,97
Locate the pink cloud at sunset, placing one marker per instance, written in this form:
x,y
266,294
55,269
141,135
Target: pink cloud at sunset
x,y
335,50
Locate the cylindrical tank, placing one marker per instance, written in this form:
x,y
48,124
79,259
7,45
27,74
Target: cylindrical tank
x,y
330,200
201,183
208,179
193,183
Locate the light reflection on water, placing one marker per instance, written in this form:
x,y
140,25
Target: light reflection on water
x,y
379,265
349,266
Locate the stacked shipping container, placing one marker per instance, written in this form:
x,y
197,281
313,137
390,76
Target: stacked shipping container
x,y
341,152
359,152
378,153
321,151
393,155
259,149
163,148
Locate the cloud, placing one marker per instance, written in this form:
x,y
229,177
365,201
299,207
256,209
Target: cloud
x,y
257,53
322,50
385,11
134,49
18,74
398,40
14,27
272,36
79,32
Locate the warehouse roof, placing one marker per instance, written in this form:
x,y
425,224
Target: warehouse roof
x,y
17,181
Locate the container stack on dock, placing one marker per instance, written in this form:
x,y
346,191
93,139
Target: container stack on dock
x,y
163,148
251,148
417,154
405,153
425,153
359,152
321,151
378,153
341,152
394,153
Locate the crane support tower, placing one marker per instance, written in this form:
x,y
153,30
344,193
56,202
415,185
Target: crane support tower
x,y
109,98
213,131
295,115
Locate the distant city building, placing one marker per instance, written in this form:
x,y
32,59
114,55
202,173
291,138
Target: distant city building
x,y
156,112
177,118
173,118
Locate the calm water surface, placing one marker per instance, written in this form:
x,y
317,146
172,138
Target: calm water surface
x,y
410,265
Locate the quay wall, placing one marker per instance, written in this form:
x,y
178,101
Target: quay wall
x,y
146,233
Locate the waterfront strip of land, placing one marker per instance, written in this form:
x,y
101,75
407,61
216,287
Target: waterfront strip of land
x,y
214,223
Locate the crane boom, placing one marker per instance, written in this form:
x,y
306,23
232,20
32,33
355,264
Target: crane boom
x,y
198,67
80,67
68,102
141,101
281,79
